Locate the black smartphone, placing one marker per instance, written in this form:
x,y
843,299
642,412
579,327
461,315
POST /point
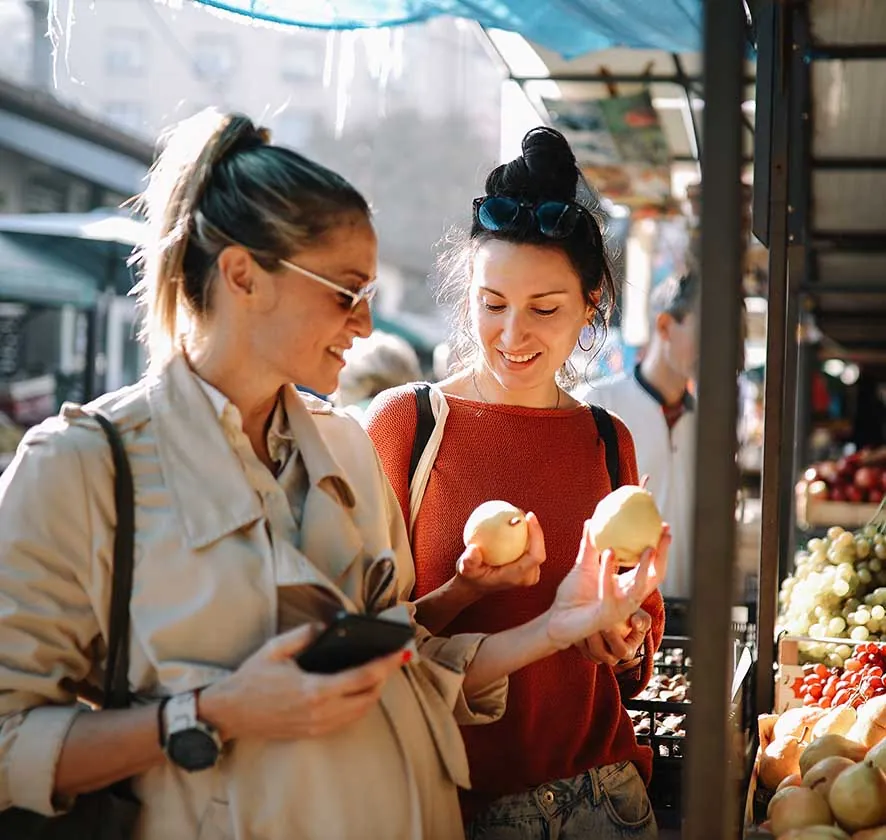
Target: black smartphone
x,y
353,639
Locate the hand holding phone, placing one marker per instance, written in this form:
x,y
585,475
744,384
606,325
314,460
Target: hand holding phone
x,y
351,640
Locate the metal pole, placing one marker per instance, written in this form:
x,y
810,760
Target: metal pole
x,y
776,337
711,779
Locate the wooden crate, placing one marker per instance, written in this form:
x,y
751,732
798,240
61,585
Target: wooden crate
x,y
813,512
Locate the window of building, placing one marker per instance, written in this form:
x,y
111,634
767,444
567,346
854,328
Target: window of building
x,y
126,115
300,62
126,52
215,57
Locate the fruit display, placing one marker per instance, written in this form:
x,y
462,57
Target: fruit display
x,y
860,678
499,530
628,522
859,477
837,591
825,769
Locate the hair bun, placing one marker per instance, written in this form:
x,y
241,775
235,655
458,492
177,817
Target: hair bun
x,y
550,161
239,134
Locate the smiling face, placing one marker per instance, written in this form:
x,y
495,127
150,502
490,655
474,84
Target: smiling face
x,y
301,327
527,310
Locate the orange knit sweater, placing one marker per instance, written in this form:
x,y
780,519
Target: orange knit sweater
x,y
564,714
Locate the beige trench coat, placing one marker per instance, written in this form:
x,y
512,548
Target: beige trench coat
x,y
204,599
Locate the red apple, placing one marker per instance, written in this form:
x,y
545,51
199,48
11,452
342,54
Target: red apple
x,y
818,490
827,471
838,493
866,478
875,496
854,494
883,480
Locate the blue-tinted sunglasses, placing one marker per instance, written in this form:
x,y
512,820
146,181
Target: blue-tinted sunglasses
x,y
553,219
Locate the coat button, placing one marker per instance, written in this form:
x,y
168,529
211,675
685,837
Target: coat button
x,y
548,797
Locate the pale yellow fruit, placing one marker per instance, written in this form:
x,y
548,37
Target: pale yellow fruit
x,y
779,760
816,832
799,807
797,721
499,530
870,728
821,777
858,797
838,721
628,522
876,755
794,780
871,834
829,745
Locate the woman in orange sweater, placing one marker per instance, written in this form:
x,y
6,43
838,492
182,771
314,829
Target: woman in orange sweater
x,y
530,277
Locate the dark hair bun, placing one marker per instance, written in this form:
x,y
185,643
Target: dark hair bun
x,y
546,169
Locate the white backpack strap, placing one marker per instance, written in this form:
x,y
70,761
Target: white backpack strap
x,y
440,408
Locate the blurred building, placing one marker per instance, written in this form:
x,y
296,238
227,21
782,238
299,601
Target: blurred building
x,y
410,114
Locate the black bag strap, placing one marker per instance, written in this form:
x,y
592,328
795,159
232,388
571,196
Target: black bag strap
x,y
606,428
424,428
116,692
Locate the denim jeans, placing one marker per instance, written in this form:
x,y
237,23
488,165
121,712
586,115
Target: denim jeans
x,y
604,803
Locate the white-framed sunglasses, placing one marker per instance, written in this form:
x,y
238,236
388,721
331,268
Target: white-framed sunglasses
x,y
366,293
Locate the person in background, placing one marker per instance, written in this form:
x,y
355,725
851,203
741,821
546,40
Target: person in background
x,y
373,364
527,281
260,514
656,402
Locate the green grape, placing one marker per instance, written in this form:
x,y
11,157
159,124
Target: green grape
x,y
875,564
865,576
841,588
878,612
844,651
834,532
880,550
836,626
873,626
862,549
853,604
815,544
870,531
859,634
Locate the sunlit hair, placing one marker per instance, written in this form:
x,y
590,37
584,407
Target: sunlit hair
x,y
546,171
218,181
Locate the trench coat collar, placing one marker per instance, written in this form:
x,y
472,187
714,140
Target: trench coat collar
x,y
213,495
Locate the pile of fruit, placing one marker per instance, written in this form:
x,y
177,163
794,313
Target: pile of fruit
x,y
860,477
827,767
837,590
860,679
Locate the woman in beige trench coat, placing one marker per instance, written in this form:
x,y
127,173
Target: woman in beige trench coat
x,y
259,514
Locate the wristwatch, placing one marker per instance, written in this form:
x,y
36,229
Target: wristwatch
x,y
188,742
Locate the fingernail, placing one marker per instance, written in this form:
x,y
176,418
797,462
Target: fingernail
x,y
407,656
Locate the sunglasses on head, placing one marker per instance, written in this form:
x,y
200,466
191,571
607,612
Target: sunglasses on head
x,y
553,219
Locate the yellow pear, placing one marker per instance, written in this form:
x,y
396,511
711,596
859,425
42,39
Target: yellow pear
x,y
816,832
858,797
829,745
779,760
837,721
499,530
797,721
870,728
794,780
871,834
820,777
876,755
628,522
799,807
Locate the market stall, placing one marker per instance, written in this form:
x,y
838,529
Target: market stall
x,y
821,154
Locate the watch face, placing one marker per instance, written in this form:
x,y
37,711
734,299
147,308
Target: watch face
x,y
192,749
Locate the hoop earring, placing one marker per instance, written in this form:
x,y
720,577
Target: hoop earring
x,y
586,349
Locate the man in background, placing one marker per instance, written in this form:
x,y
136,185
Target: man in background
x,y
656,403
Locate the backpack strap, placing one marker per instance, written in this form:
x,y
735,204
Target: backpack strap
x,y
608,435
424,427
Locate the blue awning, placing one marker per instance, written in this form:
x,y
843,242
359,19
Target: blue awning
x,y
569,27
